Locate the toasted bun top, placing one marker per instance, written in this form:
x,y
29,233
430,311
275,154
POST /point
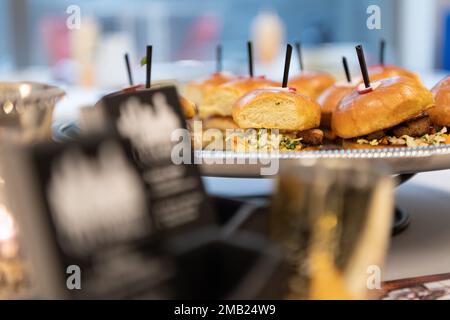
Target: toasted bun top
x,y
214,79
392,102
378,72
276,108
441,85
440,113
242,85
220,99
329,100
312,83
195,90
331,97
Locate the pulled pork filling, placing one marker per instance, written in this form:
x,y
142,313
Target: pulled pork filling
x,y
412,133
265,139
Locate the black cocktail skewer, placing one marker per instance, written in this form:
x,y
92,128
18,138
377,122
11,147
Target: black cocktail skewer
x,y
287,64
362,64
149,67
127,64
347,71
250,58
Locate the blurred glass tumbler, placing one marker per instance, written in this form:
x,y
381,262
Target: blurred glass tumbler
x,y
333,219
26,110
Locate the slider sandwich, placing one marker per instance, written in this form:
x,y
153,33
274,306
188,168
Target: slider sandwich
x,y
310,83
216,111
330,99
390,112
278,109
196,90
216,107
220,100
294,115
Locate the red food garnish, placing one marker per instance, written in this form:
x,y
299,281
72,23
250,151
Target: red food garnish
x,y
133,88
365,90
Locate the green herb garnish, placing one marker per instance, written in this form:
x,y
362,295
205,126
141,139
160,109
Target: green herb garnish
x,y
289,144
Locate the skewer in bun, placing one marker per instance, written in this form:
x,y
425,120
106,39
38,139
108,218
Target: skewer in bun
x,y
393,101
195,90
294,115
277,108
310,83
387,112
330,98
219,101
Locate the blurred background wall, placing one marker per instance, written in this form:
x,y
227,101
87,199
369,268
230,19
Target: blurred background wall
x,y
34,32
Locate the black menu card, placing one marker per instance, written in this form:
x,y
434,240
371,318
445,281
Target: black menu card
x,y
152,121
84,221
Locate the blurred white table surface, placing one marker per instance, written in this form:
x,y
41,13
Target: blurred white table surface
x,y
424,247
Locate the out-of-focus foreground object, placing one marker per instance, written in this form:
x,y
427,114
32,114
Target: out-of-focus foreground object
x,y
26,110
333,221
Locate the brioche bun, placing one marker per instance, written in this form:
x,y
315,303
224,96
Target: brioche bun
x,y
195,90
378,72
440,112
312,83
276,108
440,85
394,101
220,100
329,100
